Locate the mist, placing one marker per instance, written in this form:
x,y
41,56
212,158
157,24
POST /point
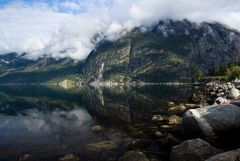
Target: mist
x,y
66,28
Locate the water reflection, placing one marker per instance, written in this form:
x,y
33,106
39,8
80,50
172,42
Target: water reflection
x,y
134,105
36,121
49,122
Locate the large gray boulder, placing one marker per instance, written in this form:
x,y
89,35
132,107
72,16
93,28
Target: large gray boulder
x,y
234,93
193,150
233,155
217,123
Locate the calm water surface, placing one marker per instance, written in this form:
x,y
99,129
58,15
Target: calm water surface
x,y
50,122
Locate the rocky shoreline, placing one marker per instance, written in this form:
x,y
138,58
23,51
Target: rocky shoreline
x,y
208,132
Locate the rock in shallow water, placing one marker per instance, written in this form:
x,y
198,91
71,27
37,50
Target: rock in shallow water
x,y
170,141
177,109
69,157
175,120
171,104
139,144
96,128
159,134
159,118
193,150
101,146
133,156
233,155
217,123
26,157
167,126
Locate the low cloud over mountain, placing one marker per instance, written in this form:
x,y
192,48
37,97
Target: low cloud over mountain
x,y
69,28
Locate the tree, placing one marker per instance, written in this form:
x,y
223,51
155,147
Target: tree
x,y
198,75
235,73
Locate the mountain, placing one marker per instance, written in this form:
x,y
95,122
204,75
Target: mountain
x,y
12,61
15,68
169,51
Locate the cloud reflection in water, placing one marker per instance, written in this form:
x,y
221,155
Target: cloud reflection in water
x,y
45,122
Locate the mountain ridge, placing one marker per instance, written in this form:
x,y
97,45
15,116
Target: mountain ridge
x,y
16,69
170,51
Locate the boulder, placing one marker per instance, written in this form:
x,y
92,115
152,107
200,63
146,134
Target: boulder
x,y
175,120
216,123
236,80
234,93
170,141
220,90
193,150
171,104
220,94
233,155
133,156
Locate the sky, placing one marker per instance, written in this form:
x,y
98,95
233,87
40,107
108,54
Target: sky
x,y
66,28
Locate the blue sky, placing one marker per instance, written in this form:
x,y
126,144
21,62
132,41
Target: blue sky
x,y
50,3
54,3
48,27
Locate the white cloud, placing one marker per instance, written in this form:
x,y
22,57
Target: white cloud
x,y
67,28
70,5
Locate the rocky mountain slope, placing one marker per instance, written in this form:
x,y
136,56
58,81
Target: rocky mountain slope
x,y
170,51
16,68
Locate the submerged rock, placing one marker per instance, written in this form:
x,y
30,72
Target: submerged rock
x,y
192,106
175,120
101,146
96,128
176,109
139,144
167,126
193,150
171,104
26,157
159,134
159,118
233,155
133,156
217,123
69,157
119,135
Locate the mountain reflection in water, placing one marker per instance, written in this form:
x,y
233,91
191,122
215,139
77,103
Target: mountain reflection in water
x,y
49,122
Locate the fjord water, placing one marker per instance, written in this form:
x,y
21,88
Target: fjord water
x,y
49,122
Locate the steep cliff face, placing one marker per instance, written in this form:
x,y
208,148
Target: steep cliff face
x,y
167,52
